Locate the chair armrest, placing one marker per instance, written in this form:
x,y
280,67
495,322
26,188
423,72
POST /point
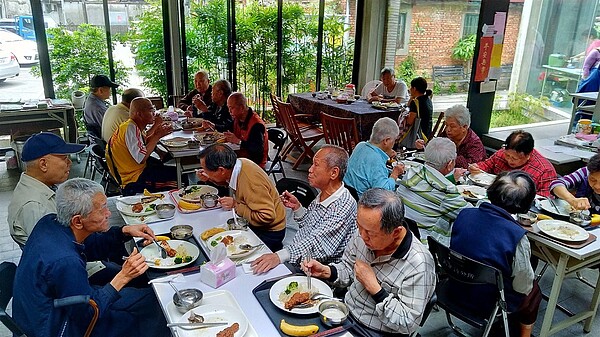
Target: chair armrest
x,y
304,115
71,300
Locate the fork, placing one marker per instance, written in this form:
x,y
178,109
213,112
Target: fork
x,y
163,252
307,258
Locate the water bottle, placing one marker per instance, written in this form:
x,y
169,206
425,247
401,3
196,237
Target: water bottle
x,y
172,114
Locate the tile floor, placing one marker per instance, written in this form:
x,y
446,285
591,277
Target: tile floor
x,y
575,294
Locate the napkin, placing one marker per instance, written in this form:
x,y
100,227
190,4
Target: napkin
x,y
220,269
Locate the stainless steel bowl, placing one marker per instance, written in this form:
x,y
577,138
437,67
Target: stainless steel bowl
x,y
165,211
527,219
181,232
580,219
187,299
241,223
333,312
209,200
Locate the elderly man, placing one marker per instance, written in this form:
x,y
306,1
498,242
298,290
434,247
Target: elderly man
x,y
469,148
249,130
367,165
390,275
216,115
518,154
389,88
95,105
117,114
201,95
491,235
129,149
47,164
330,221
53,267
431,200
255,196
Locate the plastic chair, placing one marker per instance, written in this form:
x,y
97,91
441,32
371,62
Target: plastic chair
x,y
278,137
340,131
100,166
299,188
428,309
368,87
469,272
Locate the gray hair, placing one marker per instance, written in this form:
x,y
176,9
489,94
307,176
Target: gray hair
x,y
389,203
439,152
512,191
130,94
75,197
384,128
460,113
336,157
387,70
204,74
224,86
218,155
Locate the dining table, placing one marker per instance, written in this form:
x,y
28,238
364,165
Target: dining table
x,y
362,111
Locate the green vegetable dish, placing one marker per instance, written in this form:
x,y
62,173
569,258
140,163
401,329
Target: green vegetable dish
x,y
291,287
185,259
150,207
216,241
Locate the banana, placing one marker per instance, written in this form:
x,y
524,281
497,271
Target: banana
x,y
188,205
150,194
298,330
543,217
162,238
595,219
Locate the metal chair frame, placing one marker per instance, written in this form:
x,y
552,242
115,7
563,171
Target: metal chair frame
x,y
278,137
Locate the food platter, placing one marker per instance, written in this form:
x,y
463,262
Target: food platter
x,y
564,208
194,193
563,230
239,237
482,179
152,253
280,286
214,313
386,105
126,207
472,193
175,142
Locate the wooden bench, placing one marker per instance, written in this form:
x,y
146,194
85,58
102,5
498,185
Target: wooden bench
x,y
449,74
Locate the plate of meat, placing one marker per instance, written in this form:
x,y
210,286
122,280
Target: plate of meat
x,y
232,241
139,208
237,323
179,253
291,291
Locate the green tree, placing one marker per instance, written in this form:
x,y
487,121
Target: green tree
x,y
77,56
338,52
464,49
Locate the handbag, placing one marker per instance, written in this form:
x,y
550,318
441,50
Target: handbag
x,y
410,133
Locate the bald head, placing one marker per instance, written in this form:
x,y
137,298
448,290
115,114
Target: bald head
x,y
141,111
237,99
238,107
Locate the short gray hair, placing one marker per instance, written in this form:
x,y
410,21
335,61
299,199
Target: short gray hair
x,y
512,191
389,203
384,128
336,157
387,70
75,197
439,152
460,113
218,155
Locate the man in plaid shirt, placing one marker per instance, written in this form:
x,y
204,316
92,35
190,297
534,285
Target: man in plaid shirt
x,y
518,154
330,220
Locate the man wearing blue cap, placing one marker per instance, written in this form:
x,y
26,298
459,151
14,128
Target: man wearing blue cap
x,y
95,105
46,156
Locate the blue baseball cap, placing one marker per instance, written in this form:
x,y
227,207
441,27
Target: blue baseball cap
x,y
44,143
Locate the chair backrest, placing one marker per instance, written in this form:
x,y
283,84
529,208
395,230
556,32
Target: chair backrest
x,y
289,122
353,192
299,188
368,87
7,279
157,101
439,127
277,136
340,131
174,99
275,107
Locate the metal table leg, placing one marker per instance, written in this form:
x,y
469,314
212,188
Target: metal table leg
x,y
554,293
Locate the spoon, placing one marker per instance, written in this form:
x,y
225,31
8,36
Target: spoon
x,y
195,318
246,246
176,290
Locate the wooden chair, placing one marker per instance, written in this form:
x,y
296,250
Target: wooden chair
x,y
439,128
157,101
340,131
278,119
174,99
303,140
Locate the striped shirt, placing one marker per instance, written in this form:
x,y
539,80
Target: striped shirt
x,y
432,201
407,279
578,181
325,228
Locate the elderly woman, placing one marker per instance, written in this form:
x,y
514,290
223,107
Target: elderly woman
x,y
367,164
469,148
586,182
490,234
430,198
518,154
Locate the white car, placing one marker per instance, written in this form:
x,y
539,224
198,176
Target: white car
x,y
9,67
24,50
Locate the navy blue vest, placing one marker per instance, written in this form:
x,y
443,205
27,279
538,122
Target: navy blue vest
x,y
489,234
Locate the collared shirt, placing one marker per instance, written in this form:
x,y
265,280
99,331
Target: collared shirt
x,y
538,167
114,116
325,228
235,174
31,200
432,201
94,109
407,278
470,150
366,169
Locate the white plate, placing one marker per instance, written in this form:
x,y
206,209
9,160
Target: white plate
x,y
214,313
126,208
564,208
151,252
175,143
239,237
482,179
478,191
419,156
563,230
202,189
280,286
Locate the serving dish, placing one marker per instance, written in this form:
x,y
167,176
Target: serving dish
x,y
562,230
235,238
280,286
214,313
152,253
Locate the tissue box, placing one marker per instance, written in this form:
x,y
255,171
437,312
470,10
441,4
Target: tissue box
x,y
215,275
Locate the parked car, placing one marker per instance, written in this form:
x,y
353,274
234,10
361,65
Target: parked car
x,y
25,51
9,67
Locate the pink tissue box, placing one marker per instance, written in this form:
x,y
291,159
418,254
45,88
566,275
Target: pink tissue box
x,y
215,275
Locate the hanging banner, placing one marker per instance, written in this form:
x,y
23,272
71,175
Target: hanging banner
x,y
482,66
